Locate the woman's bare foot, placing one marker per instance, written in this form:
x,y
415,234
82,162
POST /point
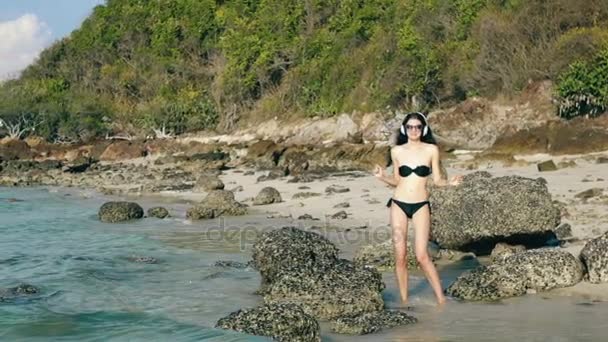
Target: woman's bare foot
x,y
441,300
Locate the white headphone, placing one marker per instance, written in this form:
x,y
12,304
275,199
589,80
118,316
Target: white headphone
x,y
425,130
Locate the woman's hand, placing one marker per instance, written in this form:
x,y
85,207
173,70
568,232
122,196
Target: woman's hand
x,y
379,172
456,180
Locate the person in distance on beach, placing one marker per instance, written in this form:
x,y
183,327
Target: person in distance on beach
x,y
415,157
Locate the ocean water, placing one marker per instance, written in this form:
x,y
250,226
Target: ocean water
x,y
92,291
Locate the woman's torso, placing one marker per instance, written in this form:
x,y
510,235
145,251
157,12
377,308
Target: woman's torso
x,y
417,162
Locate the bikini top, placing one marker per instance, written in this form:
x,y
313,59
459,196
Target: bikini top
x,y
421,170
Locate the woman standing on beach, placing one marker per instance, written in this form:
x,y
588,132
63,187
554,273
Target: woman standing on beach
x,y
414,158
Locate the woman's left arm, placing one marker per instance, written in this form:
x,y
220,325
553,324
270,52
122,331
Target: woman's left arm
x,y
437,179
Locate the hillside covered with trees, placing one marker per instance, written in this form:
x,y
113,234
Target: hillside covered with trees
x,y
136,65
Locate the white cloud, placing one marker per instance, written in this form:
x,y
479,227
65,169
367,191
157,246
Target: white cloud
x,y
21,41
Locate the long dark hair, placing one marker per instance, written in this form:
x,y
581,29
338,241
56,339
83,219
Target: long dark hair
x,y
426,138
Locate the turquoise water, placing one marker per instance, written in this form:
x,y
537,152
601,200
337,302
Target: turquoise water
x,y
91,291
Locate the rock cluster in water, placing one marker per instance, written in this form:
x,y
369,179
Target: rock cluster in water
x,y
302,269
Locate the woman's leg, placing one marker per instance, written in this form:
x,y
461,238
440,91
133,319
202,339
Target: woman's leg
x,y
399,225
422,225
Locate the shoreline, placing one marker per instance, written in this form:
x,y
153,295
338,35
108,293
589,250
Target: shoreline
x,y
366,214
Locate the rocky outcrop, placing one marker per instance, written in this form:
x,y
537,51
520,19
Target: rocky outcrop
x,y
483,210
281,322
120,211
302,268
283,248
13,149
329,291
595,257
537,270
371,322
267,195
123,150
217,203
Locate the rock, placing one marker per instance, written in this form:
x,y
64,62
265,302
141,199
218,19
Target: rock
x,y
306,217
217,203
589,193
281,322
538,270
305,194
305,178
371,322
264,154
566,164
342,205
595,257
15,149
272,174
200,213
548,165
340,215
563,232
123,150
158,212
208,182
267,195
382,256
328,291
295,161
336,189
503,250
231,264
143,259
284,248
483,211
601,160
78,165
17,291
120,211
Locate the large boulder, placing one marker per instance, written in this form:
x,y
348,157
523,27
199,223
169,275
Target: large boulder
x,y
267,195
120,211
281,322
217,203
281,249
595,257
329,291
301,267
483,210
537,270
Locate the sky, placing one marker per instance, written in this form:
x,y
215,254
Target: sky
x,y
28,26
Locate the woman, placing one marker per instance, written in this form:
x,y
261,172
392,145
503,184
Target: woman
x,y
414,158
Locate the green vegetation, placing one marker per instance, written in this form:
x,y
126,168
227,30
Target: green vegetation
x,y
139,65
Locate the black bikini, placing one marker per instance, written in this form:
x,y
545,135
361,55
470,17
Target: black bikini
x,y
411,208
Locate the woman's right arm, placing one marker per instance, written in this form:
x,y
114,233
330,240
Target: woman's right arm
x,y
390,180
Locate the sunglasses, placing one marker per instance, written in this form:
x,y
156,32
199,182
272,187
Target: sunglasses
x,y
412,127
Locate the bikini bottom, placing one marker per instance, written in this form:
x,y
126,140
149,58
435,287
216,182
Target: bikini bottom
x,y
409,208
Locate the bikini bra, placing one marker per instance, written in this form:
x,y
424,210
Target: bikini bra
x,y
421,170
